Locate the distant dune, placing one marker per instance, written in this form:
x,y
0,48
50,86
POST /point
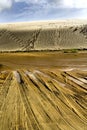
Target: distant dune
x,y
47,35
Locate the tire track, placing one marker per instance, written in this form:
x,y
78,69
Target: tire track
x,y
64,96
74,82
30,43
30,113
41,100
49,100
5,89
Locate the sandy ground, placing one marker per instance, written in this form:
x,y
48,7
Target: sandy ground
x,y
43,91
43,59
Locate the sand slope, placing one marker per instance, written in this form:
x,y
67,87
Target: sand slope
x,y
48,35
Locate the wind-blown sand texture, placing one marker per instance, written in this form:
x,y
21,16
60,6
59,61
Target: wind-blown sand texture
x,y
48,35
43,91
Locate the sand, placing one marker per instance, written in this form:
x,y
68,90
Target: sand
x,y
43,91
44,35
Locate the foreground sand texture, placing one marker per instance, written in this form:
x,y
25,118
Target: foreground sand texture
x,y
44,97
48,35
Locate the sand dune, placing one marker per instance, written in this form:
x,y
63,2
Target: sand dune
x,y
48,35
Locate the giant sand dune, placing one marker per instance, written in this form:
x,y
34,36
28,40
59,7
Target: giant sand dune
x,y
47,35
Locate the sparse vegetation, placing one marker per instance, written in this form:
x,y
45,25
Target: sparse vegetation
x,y
71,51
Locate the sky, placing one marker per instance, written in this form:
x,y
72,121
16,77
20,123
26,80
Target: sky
x,y
34,10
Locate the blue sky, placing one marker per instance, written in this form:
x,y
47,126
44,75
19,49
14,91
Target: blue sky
x,y
34,10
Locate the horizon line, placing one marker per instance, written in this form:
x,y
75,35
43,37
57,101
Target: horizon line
x,y
37,21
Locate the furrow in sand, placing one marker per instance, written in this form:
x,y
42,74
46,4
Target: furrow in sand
x,y
43,100
63,92
5,89
52,104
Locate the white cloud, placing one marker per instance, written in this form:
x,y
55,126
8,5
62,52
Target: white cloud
x,y
68,3
75,3
5,4
30,1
